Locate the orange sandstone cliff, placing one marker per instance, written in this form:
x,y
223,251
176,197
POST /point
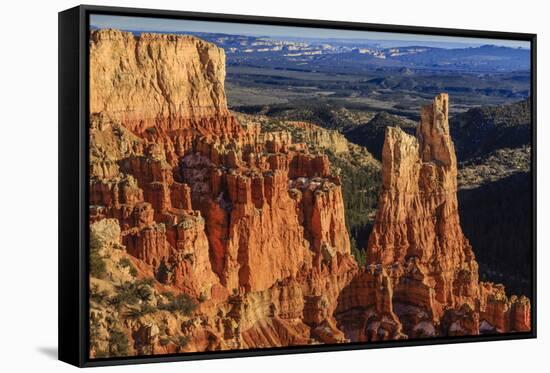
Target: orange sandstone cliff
x,y
210,234
421,278
248,224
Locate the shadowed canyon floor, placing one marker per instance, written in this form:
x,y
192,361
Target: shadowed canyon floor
x,y
210,233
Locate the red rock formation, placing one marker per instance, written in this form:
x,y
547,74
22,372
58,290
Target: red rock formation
x,y
169,153
190,265
365,307
251,226
161,66
147,244
417,223
499,313
417,245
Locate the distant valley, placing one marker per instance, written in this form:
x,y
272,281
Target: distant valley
x,y
248,192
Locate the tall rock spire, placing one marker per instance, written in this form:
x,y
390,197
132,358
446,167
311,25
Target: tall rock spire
x,y
433,132
418,244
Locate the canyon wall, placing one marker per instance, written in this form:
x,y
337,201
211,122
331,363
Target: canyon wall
x,y
249,225
167,81
233,238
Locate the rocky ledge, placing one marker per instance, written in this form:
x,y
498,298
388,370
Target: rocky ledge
x,y
209,234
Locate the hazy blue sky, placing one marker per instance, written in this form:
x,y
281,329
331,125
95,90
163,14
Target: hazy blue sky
x,y
390,39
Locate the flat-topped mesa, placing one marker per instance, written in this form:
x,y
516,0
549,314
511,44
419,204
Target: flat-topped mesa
x,y
170,82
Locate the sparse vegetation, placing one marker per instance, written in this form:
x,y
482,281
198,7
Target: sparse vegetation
x,y
127,263
101,354
136,313
183,340
359,254
98,268
168,295
496,218
118,343
130,293
482,130
494,166
133,271
124,262
360,189
98,296
181,303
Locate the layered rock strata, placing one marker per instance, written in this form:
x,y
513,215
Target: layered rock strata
x,y
215,235
419,262
248,224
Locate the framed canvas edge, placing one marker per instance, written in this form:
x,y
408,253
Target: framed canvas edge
x,y
71,246
305,22
303,349
68,291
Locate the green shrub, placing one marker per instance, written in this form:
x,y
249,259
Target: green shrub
x,y
133,271
127,263
164,341
130,293
118,343
182,304
147,308
360,189
168,295
144,292
101,354
136,313
98,268
147,281
124,262
360,255
98,296
183,340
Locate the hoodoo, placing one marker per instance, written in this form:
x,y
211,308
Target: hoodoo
x,y
417,251
209,234
248,224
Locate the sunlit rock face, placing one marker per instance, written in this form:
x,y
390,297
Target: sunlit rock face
x,y
164,81
417,251
249,226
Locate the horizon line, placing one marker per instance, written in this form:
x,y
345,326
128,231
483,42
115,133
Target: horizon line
x,y
162,25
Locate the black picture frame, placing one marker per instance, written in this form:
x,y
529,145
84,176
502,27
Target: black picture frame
x,y
73,182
